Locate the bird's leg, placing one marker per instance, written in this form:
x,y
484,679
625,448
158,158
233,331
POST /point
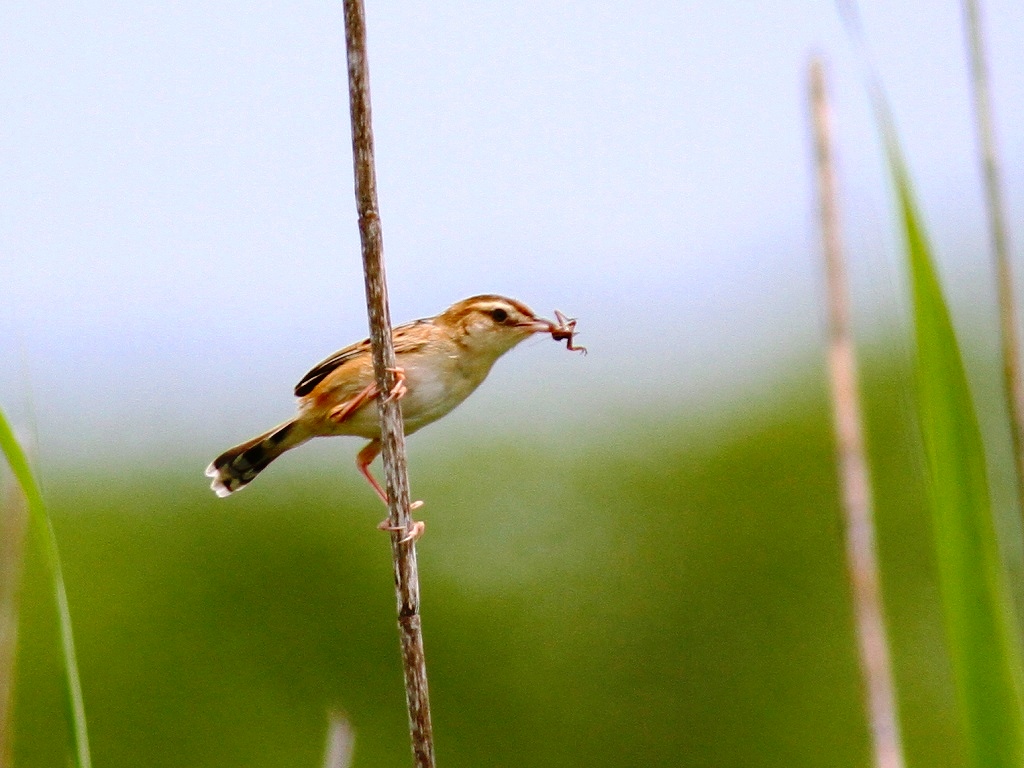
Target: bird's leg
x,y
363,461
399,389
341,412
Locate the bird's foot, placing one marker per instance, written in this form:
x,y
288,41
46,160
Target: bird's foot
x,y
412,533
399,388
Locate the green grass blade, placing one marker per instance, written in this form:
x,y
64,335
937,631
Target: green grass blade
x,y
978,615
980,625
43,528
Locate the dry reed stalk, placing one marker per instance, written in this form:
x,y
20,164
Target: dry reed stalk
x,y
862,559
407,588
1013,385
341,740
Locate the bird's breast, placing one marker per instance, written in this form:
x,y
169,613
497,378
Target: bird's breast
x,y
433,391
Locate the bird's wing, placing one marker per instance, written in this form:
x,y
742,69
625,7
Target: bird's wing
x,y
404,338
321,370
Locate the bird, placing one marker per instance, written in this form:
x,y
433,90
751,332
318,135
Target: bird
x,y
440,361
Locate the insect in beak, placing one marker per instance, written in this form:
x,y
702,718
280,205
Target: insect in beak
x,y
562,329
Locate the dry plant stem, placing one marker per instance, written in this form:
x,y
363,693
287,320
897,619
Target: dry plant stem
x,y
13,525
340,742
1012,381
862,560
392,430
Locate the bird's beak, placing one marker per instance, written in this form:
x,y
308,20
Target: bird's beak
x,y
539,325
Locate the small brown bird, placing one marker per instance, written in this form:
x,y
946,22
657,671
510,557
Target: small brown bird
x,y
441,360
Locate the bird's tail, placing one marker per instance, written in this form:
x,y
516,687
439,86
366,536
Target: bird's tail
x,y
237,467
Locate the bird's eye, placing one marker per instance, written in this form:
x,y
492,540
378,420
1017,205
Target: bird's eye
x,y
499,315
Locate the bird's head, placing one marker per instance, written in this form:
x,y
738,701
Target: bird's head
x,y
491,324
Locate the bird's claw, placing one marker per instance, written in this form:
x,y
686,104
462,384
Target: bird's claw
x,y
399,388
418,527
412,533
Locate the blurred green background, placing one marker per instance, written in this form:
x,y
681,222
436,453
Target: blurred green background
x,y
667,593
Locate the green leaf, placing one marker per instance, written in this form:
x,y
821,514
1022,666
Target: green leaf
x,y
43,529
978,615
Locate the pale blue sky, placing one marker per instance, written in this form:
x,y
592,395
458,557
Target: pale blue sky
x,y
177,230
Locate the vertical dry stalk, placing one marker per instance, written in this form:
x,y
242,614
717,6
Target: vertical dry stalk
x,y
341,741
1012,383
13,524
407,587
862,560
